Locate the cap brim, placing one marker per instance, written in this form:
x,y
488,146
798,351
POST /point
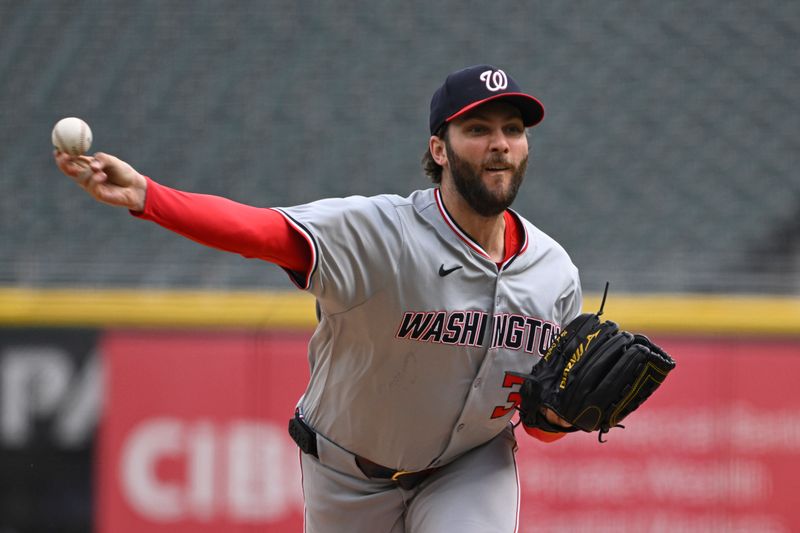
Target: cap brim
x,y
530,108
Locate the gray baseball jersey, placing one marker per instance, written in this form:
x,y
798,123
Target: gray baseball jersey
x,y
419,325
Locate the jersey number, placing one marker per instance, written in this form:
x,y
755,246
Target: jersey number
x,y
513,397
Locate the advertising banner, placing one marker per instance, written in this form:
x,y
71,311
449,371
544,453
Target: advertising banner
x,y
716,449
50,395
148,431
194,436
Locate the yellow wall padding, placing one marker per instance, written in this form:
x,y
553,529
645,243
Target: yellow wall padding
x,y
646,313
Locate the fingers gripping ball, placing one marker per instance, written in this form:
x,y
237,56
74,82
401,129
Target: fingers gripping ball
x,y
593,376
72,136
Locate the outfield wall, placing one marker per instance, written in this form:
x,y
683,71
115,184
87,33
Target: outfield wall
x,y
166,411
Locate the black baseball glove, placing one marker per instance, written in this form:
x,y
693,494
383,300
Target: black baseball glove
x,y
593,376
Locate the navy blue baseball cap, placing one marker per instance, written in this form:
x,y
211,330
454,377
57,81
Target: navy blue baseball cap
x,y
470,87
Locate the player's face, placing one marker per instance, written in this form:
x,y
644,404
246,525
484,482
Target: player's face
x,y
487,154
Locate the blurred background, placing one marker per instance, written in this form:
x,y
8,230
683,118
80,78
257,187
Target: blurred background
x,y
667,163
667,160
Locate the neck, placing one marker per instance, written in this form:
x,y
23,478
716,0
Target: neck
x,y
489,232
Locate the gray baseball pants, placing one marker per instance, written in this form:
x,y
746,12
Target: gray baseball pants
x,y
476,493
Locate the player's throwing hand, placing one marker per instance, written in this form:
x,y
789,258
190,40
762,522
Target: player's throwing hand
x,y
106,178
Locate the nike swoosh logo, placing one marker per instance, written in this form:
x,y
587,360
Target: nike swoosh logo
x,y
443,272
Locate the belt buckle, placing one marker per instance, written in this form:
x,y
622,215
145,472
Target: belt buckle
x,y
399,473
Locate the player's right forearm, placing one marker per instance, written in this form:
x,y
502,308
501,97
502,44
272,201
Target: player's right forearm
x,y
226,225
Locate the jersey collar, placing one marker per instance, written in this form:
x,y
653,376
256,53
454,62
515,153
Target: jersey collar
x,y
472,243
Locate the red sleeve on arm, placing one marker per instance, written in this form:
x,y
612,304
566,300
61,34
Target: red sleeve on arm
x,y
542,435
223,224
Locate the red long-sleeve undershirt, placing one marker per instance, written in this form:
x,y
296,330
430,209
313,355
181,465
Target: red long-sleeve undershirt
x,y
259,233
254,232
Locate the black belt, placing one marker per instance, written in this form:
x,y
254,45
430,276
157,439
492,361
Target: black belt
x,y
406,480
306,440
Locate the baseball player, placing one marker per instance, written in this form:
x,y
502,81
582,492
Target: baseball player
x,y
426,303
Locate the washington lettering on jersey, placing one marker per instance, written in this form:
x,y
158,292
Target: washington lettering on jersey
x,y
469,328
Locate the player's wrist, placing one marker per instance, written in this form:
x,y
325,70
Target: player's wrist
x,y
140,189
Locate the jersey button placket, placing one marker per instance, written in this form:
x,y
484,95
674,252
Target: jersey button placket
x,y
498,297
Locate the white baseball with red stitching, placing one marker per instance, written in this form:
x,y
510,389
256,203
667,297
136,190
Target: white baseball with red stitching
x,y
72,135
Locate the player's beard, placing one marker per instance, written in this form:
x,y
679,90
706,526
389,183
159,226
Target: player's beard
x,y
480,198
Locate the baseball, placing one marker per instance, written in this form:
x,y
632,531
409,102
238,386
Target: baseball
x,y
72,135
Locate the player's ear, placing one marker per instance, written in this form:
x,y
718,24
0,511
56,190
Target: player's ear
x,y
438,152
